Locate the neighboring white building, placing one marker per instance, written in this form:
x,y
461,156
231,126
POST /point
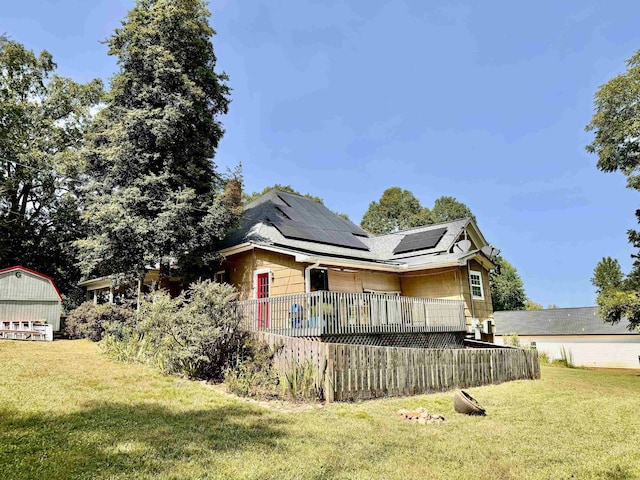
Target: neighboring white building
x,y
581,331
26,295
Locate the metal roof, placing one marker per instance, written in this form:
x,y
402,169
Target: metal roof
x,y
558,321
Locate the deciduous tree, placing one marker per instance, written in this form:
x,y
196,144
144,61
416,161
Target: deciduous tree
x,y
607,275
507,289
397,209
446,209
616,127
42,121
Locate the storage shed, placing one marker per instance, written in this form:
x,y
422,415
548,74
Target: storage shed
x,y
26,295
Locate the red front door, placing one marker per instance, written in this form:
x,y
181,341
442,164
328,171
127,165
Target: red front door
x,y
263,307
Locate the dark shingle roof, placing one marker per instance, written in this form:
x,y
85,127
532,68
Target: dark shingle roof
x,y
295,223
298,218
558,321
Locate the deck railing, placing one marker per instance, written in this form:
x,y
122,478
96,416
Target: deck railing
x,y
324,313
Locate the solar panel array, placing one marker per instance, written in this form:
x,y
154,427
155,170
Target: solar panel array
x,y
302,219
420,241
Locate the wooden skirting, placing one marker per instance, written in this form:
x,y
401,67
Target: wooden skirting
x,y
354,372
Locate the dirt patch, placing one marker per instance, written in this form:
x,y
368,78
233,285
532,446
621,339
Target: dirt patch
x,y
276,404
420,415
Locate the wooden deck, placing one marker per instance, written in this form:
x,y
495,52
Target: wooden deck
x,y
329,313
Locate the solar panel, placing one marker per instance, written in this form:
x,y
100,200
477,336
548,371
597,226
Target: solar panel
x,y
302,219
420,241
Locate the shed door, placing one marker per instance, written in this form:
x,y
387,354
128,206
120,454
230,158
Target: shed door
x,y
262,290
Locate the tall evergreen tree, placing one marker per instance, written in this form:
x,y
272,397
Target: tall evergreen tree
x,y
42,121
155,194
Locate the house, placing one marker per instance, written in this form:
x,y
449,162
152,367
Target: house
x,y
303,270
28,297
579,331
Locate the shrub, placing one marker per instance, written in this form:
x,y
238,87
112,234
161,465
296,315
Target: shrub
x,y
89,320
196,334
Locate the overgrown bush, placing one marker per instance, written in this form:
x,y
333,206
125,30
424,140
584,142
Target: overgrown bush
x,y
196,334
90,320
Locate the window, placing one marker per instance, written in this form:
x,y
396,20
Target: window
x,y
475,281
220,277
318,279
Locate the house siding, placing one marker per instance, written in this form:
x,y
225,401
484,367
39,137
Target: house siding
x,y
604,351
476,308
380,281
451,284
288,277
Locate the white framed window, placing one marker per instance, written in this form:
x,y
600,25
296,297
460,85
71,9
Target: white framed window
x,y
220,276
475,282
316,279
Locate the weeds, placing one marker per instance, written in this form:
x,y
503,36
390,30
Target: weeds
x,y
566,358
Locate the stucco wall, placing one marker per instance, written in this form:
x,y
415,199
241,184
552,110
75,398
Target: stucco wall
x,y
604,351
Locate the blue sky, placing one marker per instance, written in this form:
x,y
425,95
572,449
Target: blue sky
x,y
483,101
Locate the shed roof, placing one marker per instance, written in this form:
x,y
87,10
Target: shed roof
x,y
33,272
558,321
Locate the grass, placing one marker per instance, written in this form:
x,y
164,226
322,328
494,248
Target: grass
x,y
68,412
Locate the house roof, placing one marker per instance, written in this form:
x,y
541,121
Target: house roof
x,y
558,321
302,226
37,274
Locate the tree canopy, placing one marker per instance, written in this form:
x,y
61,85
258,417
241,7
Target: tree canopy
x,y
507,289
248,198
607,275
531,305
616,127
42,121
446,209
397,209
154,193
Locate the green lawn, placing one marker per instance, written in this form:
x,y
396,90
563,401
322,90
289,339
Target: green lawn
x,y
68,412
